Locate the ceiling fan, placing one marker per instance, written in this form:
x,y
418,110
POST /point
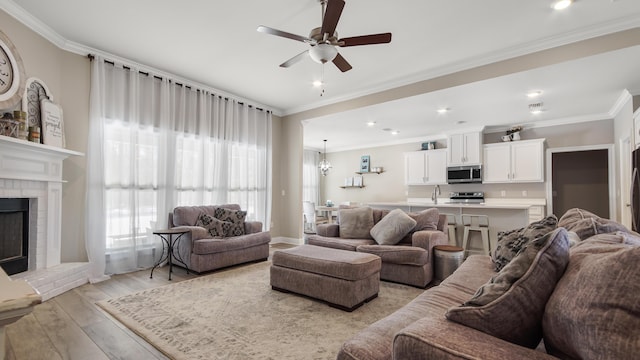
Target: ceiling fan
x,y
324,39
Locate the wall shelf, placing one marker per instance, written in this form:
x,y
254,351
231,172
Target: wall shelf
x,y
351,187
369,172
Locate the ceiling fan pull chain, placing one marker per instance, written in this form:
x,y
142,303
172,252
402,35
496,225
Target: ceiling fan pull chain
x,y
322,80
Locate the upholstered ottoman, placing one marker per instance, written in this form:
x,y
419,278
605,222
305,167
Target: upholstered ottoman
x,y
343,279
402,264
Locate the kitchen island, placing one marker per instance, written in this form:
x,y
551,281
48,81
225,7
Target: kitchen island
x,y
504,214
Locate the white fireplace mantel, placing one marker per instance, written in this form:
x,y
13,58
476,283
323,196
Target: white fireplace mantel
x,y
25,160
33,170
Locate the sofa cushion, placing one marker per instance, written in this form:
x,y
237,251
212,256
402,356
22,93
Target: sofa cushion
x,y
586,224
510,306
214,226
356,223
397,254
338,243
510,243
594,312
188,215
426,219
213,246
392,228
234,220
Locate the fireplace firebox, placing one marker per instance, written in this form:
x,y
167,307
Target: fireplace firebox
x,y
14,235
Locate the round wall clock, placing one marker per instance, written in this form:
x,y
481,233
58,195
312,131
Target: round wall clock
x,y
12,76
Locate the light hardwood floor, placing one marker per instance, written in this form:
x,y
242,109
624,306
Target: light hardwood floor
x,y
71,326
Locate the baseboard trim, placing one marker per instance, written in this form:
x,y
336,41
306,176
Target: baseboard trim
x,y
286,240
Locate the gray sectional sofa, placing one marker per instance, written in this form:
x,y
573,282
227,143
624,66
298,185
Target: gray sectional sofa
x,y
573,283
203,252
403,241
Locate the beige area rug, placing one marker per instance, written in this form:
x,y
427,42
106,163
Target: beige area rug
x,y
235,314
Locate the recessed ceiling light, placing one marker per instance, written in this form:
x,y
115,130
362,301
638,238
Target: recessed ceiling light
x,y
443,110
317,83
371,123
534,94
561,4
395,132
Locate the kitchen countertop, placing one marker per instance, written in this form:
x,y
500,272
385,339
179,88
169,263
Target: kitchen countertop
x,y
515,204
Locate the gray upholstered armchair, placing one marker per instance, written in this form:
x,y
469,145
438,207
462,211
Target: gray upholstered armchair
x,y
203,252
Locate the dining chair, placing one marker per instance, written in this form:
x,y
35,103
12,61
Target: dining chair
x,y
311,218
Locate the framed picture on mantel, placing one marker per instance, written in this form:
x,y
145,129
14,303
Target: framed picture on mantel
x,y
365,163
52,124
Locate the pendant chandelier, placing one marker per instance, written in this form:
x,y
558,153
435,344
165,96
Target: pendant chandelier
x,y
324,165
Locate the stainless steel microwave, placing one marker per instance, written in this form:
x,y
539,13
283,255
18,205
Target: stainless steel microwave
x,y
464,174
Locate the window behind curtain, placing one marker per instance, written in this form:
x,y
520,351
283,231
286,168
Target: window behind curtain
x,y
166,145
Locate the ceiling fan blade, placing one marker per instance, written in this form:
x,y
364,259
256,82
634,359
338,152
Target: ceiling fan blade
x,y
365,40
341,63
294,59
331,16
272,31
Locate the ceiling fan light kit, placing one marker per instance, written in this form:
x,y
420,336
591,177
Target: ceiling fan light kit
x,y
323,53
324,40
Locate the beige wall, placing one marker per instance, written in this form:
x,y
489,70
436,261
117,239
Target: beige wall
x,y
67,77
289,192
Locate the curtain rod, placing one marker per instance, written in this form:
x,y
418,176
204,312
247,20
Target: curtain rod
x,y
92,57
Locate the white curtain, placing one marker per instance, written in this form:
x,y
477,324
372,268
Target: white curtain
x,y
154,145
311,176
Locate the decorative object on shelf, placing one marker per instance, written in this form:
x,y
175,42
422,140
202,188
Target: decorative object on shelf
x,y
513,134
324,165
34,134
8,126
348,181
23,128
357,181
365,163
52,124
430,145
35,91
12,75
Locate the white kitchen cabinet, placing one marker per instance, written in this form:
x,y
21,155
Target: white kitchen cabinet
x,y
426,167
464,149
512,162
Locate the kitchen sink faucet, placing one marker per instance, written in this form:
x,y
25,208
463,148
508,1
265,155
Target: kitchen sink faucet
x,y
434,195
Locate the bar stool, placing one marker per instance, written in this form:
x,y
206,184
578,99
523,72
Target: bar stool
x,y
478,223
451,224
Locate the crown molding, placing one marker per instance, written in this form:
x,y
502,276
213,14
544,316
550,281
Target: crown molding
x,y
601,29
623,99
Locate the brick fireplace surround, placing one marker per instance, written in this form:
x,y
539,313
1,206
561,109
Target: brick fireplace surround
x,y
34,171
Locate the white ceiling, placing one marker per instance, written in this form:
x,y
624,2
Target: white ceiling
x,y
216,43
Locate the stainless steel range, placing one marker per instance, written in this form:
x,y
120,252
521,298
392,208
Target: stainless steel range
x,y
466,197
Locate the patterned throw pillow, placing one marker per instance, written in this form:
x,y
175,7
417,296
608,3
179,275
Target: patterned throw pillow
x,y
511,304
235,217
215,227
511,243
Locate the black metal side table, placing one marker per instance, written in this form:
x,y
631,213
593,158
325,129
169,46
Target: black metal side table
x,y
169,243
